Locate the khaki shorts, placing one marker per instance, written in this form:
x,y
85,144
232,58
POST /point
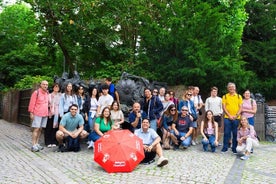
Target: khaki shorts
x,y
39,122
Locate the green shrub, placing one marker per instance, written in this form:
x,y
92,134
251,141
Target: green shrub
x,y
31,81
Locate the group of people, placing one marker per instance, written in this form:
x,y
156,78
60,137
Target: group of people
x,y
160,119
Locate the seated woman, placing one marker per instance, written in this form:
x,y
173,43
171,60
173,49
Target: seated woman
x,y
183,127
209,131
246,138
117,115
103,124
169,116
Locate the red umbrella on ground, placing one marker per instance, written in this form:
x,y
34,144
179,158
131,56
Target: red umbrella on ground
x,y
119,151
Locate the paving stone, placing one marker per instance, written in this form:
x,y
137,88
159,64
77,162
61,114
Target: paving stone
x,y
20,165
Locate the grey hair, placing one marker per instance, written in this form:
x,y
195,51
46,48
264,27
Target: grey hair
x,y
231,84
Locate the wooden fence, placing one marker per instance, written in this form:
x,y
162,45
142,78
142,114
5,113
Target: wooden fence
x,y
15,106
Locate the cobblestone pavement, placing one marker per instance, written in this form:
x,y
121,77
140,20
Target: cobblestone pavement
x,y
20,165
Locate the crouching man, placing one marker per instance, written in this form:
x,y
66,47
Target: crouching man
x,y
71,128
151,142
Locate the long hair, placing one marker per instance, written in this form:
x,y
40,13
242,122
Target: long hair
x,y
240,124
168,113
66,92
115,102
108,118
186,92
206,120
91,91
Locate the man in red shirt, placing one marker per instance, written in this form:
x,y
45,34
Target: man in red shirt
x,y
38,108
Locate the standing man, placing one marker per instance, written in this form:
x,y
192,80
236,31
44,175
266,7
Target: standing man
x,y
196,98
214,103
151,144
105,100
71,125
232,106
161,95
112,90
152,107
38,108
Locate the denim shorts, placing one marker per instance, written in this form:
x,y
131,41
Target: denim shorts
x,y
39,122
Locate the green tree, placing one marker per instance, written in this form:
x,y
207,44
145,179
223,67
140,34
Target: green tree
x,y
259,46
19,52
195,42
179,42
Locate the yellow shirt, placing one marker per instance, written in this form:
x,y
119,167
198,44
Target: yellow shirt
x,y
232,104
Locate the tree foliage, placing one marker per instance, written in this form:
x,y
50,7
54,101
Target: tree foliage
x,y
259,45
19,52
190,42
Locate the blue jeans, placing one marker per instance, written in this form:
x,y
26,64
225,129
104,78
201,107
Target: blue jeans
x,y
93,136
187,141
153,124
230,126
91,121
251,121
211,141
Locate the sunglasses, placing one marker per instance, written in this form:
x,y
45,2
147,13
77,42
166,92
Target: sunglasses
x,y
184,109
172,109
155,91
189,94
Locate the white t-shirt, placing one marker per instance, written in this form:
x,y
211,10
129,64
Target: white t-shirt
x,y
105,101
197,100
116,115
214,104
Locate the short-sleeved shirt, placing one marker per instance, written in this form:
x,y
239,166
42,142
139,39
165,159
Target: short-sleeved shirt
x,y
197,100
112,90
105,101
183,124
248,104
102,126
70,122
131,119
147,137
232,103
214,104
116,115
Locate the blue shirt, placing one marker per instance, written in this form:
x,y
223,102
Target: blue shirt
x,y
147,137
183,124
112,90
70,122
131,119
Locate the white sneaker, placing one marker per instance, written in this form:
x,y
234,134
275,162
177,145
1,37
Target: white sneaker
x,y
39,147
193,143
91,145
162,161
34,148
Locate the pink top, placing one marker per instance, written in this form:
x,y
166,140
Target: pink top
x,y
249,132
39,103
54,103
248,105
210,129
